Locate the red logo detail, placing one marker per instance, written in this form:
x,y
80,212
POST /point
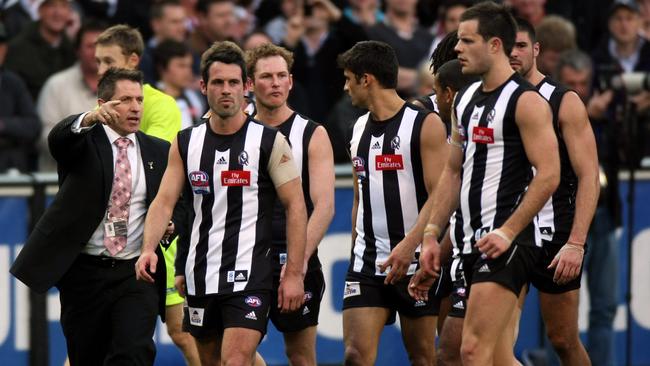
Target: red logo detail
x,y
483,135
235,178
389,162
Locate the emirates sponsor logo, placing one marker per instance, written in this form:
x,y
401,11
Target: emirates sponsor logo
x,y
483,135
235,178
389,162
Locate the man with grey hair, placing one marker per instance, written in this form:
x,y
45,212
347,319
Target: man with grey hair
x,y
601,260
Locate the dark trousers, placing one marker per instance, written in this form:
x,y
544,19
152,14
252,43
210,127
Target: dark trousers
x,y
108,317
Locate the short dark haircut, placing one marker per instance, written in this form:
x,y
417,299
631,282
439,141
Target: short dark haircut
x,y
575,59
202,6
226,52
493,21
89,25
524,26
444,51
450,75
127,38
372,57
106,85
166,51
158,7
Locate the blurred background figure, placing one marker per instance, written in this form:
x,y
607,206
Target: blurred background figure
x,y
19,124
449,19
78,82
531,10
173,62
411,42
42,47
365,13
216,19
555,35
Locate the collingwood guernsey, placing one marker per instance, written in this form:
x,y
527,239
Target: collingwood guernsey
x,y
495,171
391,189
299,131
556,218
230,190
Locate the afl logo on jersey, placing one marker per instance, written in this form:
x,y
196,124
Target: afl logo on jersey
x,y
200,182
253,301
359,167
243,158
394,143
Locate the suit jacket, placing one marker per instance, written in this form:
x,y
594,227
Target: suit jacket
x,y
85,165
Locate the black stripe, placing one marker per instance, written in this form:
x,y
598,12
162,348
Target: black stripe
x,y
392,198
416,160
370,252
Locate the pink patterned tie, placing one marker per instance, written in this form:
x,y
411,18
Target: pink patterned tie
x,y
120,195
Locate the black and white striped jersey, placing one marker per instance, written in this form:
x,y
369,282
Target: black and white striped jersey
x,y
299,131
429,102
231,196
495,171
388,164
556,218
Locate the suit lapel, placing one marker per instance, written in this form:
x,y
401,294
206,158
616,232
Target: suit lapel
x,y
106,158
149,164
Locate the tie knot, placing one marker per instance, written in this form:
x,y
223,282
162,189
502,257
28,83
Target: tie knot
x,y
122,143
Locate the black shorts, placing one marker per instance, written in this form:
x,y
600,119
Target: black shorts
x,y
511,270
542,277
307,315
211,315
364,291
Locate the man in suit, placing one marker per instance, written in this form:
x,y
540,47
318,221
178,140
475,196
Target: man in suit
x,y
87,242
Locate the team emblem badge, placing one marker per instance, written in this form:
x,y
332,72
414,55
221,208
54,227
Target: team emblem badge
x,y
243,158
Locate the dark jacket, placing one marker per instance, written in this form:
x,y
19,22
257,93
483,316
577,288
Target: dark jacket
x,y
85,162
20,127
34,60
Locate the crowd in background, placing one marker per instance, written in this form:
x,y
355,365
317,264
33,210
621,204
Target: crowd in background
x,y
49,70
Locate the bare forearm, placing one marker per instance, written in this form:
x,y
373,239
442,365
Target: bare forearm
x,y
446,198
539,191
586,202
155,224
317,226
296,237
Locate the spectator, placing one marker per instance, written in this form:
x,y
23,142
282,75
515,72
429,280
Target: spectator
x,y
316,40
254,39
365,13
19,124
42,48
531,10
173,61
79,82
411,42
167,22
19,15
216,18
451,11
601,260
276,28
555,35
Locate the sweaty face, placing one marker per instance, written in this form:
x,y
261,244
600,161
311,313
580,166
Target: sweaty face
x,y
129,93
224,89
523,54
354,89
472,49
110,56
272,82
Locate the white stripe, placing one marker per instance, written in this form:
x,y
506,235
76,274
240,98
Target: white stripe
x,y
250,205
359,243
218,228
376,189
494,159
194,151
455,261
467,168
546,90
405,177
295,136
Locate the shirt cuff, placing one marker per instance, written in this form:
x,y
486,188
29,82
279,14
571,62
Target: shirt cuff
x,y
76,125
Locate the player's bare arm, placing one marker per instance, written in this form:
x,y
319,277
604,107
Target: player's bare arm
x,y
434,151
160,212
321,189
581,145
533,116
